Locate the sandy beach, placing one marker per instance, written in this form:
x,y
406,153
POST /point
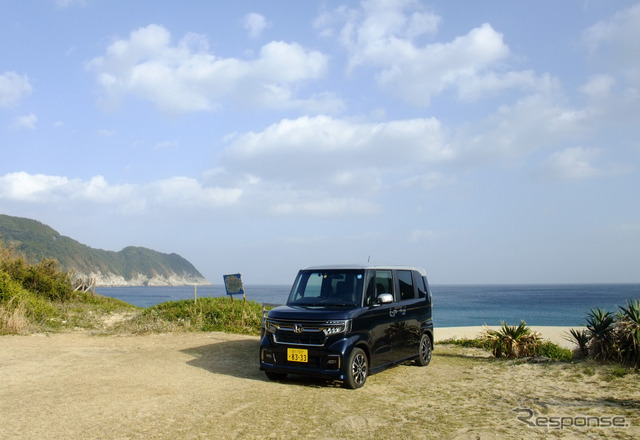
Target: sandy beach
x,y
207,385
557,335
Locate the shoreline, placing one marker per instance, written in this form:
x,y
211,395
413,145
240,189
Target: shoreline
x,y
555,334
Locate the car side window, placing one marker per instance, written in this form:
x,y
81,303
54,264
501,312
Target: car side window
x,y
418,280
405,283
384,282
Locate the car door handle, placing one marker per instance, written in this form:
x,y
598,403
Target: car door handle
x,y
392,312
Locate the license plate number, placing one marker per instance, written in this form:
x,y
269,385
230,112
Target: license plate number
x,y
297,355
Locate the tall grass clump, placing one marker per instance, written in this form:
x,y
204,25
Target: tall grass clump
x,y
512,341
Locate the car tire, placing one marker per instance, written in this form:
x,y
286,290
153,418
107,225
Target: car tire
x,y
275,376
424,351
357,369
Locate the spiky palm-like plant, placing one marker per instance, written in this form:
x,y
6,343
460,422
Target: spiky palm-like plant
x,y
581,338
628,333
512,341
600,325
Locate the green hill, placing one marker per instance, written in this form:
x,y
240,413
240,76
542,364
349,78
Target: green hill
x,y
130,266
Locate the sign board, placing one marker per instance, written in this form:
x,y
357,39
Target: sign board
x,y
233,284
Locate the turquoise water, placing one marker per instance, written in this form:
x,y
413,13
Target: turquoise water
x,y
453,306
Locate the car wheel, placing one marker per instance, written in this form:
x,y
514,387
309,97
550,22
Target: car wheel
x,y
275,376
424,351
357,369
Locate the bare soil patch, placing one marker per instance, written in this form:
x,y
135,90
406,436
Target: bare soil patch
x,y
207,385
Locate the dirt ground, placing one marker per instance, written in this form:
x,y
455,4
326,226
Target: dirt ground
x,y
207,385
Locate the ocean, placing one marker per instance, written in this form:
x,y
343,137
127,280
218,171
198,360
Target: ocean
x,y
453,306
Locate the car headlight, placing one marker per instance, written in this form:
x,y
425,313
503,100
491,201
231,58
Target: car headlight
x,y
270,327
335,327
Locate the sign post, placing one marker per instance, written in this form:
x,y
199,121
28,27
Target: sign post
x,y
233,285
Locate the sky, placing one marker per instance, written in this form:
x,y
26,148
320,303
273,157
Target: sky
x,y
487,142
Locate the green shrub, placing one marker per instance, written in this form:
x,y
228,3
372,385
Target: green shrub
x,y
552,351
47,280
468,343
208,314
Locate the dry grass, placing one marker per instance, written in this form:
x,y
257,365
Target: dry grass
x,y
13,321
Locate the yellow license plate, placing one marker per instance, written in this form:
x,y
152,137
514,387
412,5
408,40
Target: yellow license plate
x,y
297,355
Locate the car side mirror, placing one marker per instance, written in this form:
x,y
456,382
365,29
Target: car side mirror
x,y
385,298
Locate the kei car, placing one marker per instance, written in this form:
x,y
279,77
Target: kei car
x,y
347,322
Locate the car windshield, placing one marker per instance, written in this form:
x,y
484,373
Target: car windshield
x,y
327,288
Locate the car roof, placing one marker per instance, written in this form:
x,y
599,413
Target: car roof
x,y
364,267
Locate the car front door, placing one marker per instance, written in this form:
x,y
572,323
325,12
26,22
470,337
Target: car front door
x,y
380,318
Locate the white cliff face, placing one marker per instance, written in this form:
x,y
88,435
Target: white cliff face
x,y
112,280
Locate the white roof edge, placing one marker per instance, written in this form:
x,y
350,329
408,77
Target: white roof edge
x,y
365,266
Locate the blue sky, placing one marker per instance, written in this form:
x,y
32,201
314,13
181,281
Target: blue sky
x,y
488,142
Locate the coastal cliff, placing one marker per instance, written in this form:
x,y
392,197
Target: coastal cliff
x,y
132,266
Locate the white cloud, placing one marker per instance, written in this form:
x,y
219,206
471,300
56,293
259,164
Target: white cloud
x,y
186,77
383,30
21,186
319,150
617,42
573,164
26,121
254,23
535,122
324,207
598,86
175,193
188,192
384,34
13,88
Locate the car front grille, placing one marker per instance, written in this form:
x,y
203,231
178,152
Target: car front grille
x,y
305,338
298,333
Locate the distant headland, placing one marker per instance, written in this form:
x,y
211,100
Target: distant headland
x,y
132,266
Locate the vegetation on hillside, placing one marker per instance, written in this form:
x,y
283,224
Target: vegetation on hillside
x,y
36,241
39,298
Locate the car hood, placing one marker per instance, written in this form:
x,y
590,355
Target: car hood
x,y
311,313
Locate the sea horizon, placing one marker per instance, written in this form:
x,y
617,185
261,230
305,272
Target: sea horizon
x,y
454,305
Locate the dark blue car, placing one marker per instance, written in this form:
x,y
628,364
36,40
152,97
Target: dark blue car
x,y
346,322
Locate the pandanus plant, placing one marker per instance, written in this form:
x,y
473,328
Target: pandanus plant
x,y
628,333
581,338
600,325
512,341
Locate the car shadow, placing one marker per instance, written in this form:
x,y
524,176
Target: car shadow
x,y
231,358
240,359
